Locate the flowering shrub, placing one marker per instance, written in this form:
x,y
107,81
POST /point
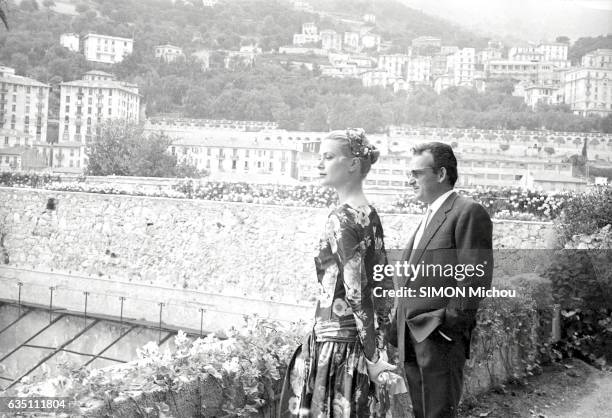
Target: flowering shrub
x,y
307,195
249,365
12,179
500,203
509,203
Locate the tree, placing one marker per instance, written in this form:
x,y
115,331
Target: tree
x,y
112,150
3,16
123,149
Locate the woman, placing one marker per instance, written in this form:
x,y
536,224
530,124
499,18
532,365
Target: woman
x,y
335,372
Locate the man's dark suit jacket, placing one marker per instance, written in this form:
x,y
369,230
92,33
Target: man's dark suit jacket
x,y
459,233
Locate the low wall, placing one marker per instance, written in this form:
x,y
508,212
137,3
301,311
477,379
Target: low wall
x,y
235,249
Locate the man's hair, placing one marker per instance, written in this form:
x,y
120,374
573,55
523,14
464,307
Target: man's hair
x,y
443,156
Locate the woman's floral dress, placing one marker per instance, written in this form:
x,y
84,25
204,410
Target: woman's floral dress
x,y
327,375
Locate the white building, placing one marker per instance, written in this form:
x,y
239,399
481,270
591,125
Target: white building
x,y
168,53
443,82
588,88
554,51
543,94
369,18
427,41
394,63
351,41
419,70
24,105
106,49
209,3
331,40
380,78
309,35
268,155
461,65
84,105
525,53
70,41
371,41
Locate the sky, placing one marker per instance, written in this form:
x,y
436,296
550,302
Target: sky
x,y
529,20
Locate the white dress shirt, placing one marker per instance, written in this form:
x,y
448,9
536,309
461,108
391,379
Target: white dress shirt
x,y
429,214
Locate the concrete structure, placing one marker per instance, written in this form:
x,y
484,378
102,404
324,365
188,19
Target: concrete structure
x,y
394,63
369,18
309,35
461,66
168,53
84,104
21,159
525,53
331,40
371,41
419,70
351,41
106,49
518,70
203,56
554,51
70,41
427,41
236,155
209,3
443,82
542,94
588,89
24,105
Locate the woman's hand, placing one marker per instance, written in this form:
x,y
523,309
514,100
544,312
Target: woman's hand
x,y
377,369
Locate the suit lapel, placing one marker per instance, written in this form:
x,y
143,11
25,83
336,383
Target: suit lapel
x,y
433,226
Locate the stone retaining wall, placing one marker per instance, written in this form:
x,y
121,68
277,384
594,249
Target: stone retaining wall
x,y
233,248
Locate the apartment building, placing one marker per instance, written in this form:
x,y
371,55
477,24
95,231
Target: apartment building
x,y
419,70
24,105
70,41
394,63
351,41
588,88
554,51
331,40
168,53
309,35
518,70
106,49
84,105
461,66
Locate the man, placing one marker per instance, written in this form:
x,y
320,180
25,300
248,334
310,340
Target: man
x,y
450,253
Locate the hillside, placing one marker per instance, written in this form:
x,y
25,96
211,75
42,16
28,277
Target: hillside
x,y
270,89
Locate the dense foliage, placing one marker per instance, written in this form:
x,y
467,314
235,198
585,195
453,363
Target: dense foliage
x,y
295,98
122,149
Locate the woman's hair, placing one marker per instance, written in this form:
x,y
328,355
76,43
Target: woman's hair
x,y
355,144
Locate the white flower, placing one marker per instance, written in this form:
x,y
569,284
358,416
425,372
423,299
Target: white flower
x,y
341,406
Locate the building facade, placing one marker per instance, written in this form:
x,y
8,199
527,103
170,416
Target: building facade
x,y
84,105
70,41
106,49
168,53
588,88
24,106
